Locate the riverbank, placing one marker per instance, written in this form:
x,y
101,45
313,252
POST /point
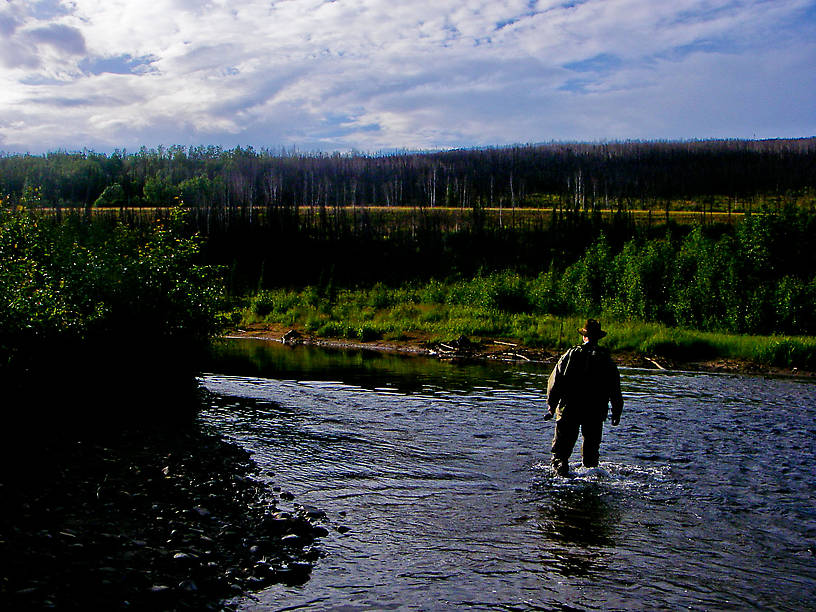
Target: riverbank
x,y
507,349
506,307
170,521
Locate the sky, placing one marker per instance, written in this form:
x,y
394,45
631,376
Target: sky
x,y
384,75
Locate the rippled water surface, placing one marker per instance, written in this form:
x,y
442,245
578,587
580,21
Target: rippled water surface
x,y
704,498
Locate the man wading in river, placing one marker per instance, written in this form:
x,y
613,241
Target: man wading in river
x,y
582,384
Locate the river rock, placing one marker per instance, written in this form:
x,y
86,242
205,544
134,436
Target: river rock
x,y
312,512
261,569
201,512
184,542
272,525
188,585
291,337
313,553
300,566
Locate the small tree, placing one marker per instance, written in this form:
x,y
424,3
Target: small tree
x,y
113,196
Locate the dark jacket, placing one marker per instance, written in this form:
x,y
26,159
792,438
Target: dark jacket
x,y
583,383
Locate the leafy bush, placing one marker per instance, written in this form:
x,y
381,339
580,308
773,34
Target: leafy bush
x,y
757,278
368,333
331,329
82,296
273,302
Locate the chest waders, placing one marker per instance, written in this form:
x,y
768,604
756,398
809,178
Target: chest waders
x,y
580,408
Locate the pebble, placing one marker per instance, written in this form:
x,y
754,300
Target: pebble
x,y
302,567
314,513
27,591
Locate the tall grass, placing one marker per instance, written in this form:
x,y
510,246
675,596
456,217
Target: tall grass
x,y
503,306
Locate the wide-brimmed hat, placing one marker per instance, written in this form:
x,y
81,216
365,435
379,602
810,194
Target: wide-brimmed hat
x,y
592,329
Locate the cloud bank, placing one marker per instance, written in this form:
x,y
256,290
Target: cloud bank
x,y
377,75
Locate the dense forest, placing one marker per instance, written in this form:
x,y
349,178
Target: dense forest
x,y
585,176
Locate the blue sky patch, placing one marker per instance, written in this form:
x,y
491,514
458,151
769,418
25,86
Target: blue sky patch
x,y
603,63
122,64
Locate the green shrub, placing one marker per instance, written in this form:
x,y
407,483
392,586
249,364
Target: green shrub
x,y
263,303
435,292
368,333
381,296
332,329
315,322
275,302
94,295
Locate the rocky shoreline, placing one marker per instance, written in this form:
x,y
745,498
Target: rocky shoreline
x,y
170,521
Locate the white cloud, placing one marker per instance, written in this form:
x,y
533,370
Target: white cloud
x,y
372,74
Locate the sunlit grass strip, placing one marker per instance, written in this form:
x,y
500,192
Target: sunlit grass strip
x,y
393,313
688,345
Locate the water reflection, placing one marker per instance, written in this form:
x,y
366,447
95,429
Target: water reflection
x,y
369,369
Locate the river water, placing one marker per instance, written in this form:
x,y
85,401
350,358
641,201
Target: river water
x,y
704,499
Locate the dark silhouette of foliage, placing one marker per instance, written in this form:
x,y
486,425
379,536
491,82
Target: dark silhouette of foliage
x,y
90,306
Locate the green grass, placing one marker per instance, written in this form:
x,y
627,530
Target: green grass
x,y
499,307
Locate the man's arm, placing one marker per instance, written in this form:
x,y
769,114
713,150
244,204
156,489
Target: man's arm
x,y
555,386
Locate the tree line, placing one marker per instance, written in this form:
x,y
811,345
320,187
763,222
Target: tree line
x,y
568,176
